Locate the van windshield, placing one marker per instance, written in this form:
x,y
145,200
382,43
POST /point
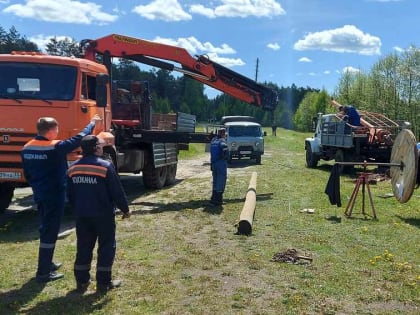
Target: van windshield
x,y
245,131
37,81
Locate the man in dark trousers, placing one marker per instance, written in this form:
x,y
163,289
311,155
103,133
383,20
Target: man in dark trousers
x,y
45,165
218,159
94,192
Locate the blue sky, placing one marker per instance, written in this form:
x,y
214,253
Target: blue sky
x,y
305,42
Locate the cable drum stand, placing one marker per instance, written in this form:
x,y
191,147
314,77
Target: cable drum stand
x,y
403,172
363,180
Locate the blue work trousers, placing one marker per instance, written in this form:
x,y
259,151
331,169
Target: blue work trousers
x,y
50,213
88,231
219,172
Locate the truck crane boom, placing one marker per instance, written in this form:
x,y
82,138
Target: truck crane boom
x,y
200,68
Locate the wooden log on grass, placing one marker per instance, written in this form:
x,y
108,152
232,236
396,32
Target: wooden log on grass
x,y
248,211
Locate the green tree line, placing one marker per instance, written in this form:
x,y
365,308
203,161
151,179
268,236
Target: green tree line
x,y
391,87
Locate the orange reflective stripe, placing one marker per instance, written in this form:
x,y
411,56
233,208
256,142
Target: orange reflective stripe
x,y
86,169
40,144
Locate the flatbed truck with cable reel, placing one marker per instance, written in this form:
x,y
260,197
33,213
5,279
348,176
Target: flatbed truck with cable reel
x,y
335,139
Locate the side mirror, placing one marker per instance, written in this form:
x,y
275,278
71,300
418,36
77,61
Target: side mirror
x,y
102,81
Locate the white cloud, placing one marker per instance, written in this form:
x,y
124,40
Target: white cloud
x,y
42,40
227,62
61,11
398,49
166,10
305,59
348,39
118,11
195,47
202,10
240,8
327,72
273,46
350,70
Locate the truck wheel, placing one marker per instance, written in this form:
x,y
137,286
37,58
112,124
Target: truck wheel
x,y
6,196
171,174
311,158
154,178
258,159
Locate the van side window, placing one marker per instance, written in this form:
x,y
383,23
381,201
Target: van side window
x,y
88,87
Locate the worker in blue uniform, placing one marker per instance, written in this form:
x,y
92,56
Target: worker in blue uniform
x,y
94,192
218,160
45,165
348,112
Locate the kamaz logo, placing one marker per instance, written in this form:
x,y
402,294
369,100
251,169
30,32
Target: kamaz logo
x,y
11,129
6,138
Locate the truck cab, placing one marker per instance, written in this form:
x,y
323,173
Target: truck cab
x,y
244,137
34,85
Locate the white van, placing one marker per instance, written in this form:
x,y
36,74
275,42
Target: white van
x,y
244,137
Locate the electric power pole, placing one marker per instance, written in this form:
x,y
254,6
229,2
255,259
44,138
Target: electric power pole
x,y
256,71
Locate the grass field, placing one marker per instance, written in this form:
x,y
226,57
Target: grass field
x,y
176,255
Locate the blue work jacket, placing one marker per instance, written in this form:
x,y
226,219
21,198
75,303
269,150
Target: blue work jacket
x,y
94,188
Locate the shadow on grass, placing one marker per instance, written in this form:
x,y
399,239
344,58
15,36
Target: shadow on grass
x,y
15,301
158,207
242,163
22,226
12,301
412,221
18,226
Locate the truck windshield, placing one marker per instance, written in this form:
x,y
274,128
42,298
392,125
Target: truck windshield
x,y
244,131
37,81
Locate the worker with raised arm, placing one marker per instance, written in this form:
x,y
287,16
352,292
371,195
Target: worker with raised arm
x,y
94,192
348,111
45,166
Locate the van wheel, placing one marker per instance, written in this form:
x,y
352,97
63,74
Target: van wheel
x,y
258,159
6,196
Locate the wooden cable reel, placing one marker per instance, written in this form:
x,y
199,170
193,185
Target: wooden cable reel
x,y
403,178
403,171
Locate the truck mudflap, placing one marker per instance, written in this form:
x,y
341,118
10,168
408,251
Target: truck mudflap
x,y
162,171
164,154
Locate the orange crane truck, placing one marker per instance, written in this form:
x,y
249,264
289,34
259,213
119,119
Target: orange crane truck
x,y
73,90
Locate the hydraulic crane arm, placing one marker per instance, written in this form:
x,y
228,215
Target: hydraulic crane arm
x,y
201,68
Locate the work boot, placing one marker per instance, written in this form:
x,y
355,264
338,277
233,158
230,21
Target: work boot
x,y
220,198
82,287
108,286
52,276
213,198
55,266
